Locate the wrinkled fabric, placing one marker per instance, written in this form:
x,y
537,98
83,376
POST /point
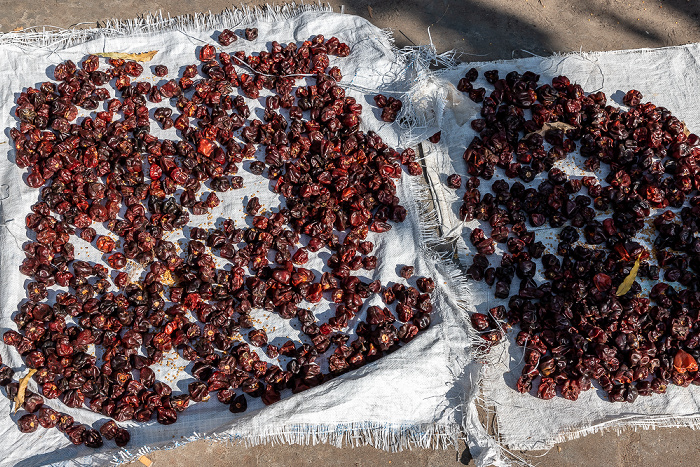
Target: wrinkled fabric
x,y
667,77
408,397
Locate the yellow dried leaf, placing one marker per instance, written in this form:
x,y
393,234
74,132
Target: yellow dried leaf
x,y
552,126
145,461
686,131
629,280
142,57
19,398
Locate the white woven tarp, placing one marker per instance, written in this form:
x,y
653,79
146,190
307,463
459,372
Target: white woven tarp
x,y
411,397
668,77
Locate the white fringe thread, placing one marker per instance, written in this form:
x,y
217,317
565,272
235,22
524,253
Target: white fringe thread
x,y
387,437
150,23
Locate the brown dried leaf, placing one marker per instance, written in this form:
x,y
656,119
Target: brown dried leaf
x,y
142,57
629,280
552,126
19,398
686,131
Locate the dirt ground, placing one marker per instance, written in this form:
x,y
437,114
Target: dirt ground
x,y
481,30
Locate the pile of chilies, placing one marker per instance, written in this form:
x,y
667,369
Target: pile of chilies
x,y
584,322
338,184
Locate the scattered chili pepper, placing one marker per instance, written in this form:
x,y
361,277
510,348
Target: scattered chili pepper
x,y
338,183
588,318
